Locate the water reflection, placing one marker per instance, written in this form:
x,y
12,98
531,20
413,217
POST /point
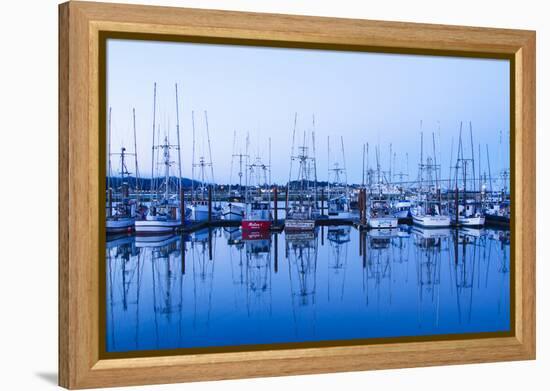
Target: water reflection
x,y
216,287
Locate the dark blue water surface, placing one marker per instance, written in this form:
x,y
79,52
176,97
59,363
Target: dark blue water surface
x,y
215,288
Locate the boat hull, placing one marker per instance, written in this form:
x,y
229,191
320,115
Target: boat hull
x,y
256,225
382,222
233,213
401,214
432,221
121,225
299,225
471,221
148,227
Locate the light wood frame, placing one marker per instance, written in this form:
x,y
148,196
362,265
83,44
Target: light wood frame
x,y
80,24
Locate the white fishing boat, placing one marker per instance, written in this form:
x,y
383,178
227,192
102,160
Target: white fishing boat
x,y
202,196
233,211
467,210
303,211
121,214
119,224
428,212
338,193
164,214
199,211
379,215
431,220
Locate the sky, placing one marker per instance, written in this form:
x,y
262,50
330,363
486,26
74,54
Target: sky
x,y
360,97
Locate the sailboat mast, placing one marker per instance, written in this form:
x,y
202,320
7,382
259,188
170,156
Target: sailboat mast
x,y
489,168
209,146
363,170
179,145
193,158
473,161
328,167
138,187
153,146
109,168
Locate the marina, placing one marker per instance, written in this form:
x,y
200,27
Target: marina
x,y
276,209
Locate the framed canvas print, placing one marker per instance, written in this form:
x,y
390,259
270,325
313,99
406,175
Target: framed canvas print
x,y
247,195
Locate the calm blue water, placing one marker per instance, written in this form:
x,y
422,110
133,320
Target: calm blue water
x,y
216,289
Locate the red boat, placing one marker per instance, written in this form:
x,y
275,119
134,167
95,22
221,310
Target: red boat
x,y
257,217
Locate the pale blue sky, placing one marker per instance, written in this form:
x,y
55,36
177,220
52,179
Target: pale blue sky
x,y
364,97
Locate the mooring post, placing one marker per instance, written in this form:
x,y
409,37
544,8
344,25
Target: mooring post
x,y
286,201
276,208
210,204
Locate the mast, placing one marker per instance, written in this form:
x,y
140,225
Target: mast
x,y
328,167
489,168
138,187
344,159
179,146
473,162
209,147
363,171
314,163
291,158
109,149
193,158
153,146
232,158
269,161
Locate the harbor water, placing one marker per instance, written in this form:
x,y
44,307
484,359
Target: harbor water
x,y
216,287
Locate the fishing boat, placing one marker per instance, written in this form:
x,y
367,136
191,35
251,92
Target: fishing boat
x,y
468,210
338,194
302,213
402,209
233,211
498,213
428,212
121,214
379,214
257,216
164,214
202,207
379,210
257,213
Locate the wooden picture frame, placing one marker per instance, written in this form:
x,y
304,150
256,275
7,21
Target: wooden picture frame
x,y
80,169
